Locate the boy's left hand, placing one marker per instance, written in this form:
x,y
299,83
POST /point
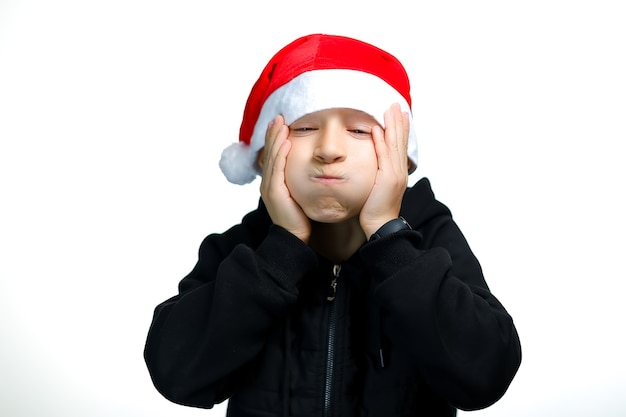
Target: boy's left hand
x,y
383,203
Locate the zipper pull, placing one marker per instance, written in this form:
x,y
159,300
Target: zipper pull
x,y
333,283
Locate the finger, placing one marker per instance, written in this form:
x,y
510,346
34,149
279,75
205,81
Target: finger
x,y
393,132
399,135
273,140
406,125
380,146
280,162
275,135
270,135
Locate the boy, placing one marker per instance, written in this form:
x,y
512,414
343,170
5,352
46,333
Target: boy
x,y
344,293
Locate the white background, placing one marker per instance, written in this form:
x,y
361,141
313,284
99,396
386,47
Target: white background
x,y
113,115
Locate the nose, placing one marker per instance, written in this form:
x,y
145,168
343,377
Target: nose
x,y
330,146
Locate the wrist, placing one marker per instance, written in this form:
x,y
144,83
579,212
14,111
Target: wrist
x,y
390,227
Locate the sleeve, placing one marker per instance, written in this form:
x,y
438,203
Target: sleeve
x,y
203,341
438,308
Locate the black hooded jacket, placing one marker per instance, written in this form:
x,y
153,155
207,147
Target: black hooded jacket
x,y
406,327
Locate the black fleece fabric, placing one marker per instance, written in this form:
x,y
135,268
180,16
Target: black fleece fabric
x,y
406,327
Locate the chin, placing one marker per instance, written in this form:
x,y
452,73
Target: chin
x,y
329,208
330,215
327,219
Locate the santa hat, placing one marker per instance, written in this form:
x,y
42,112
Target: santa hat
x,y
312,73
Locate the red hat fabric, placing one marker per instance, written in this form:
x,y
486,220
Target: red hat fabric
x,y
313,73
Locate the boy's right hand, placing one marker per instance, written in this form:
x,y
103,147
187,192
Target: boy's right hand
x,y
282,208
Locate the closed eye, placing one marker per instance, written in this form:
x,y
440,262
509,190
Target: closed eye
x,y
361,133
302,131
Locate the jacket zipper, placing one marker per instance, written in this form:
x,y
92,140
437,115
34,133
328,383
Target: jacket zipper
x,y
330,352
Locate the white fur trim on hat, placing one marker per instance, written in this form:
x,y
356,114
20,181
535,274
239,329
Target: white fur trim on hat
x,y
310,92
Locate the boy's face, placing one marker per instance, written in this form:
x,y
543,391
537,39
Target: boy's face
x,y
332,163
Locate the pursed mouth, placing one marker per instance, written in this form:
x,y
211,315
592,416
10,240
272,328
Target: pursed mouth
x,y
328,179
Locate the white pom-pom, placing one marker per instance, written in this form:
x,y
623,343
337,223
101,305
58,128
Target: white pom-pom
x,y
238,164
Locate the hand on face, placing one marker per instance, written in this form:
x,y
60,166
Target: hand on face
x,y
282,208
383,203
389,179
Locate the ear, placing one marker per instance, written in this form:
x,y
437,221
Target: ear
x,y
260,158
